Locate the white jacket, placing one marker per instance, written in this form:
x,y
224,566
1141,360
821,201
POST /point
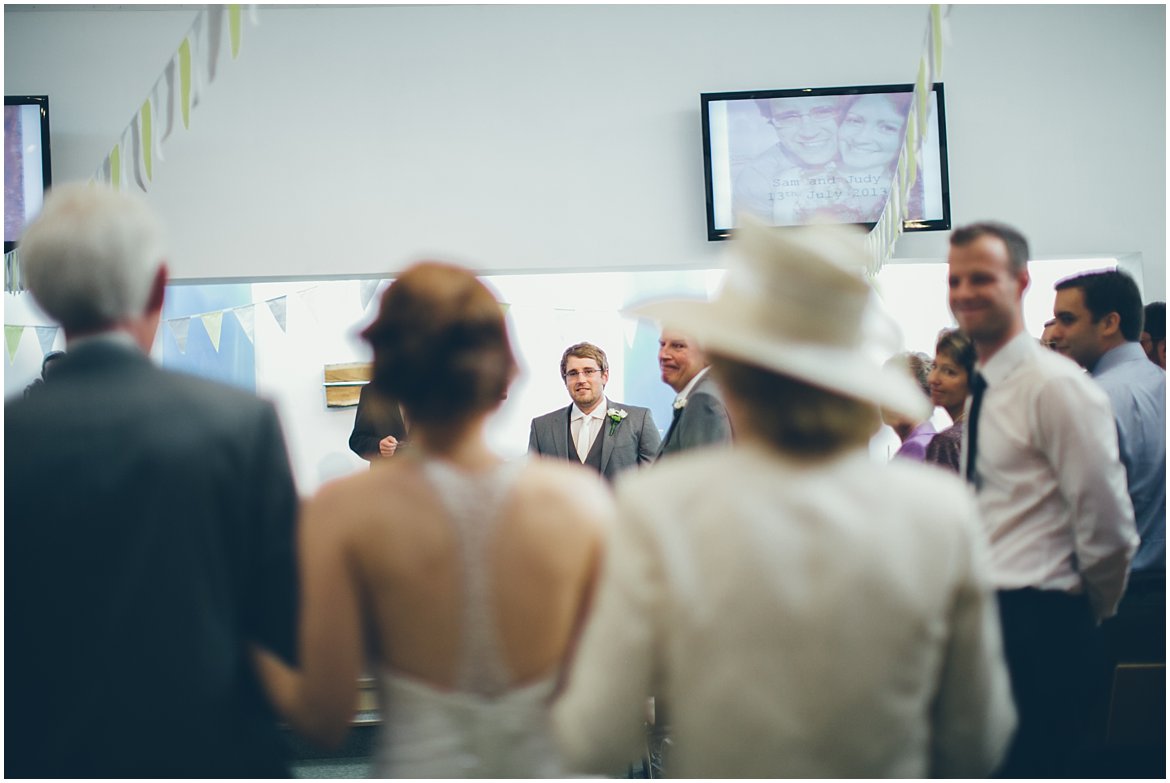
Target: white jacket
x,y
797,620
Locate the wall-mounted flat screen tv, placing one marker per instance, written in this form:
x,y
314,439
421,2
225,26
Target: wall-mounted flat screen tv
x,y
27,169
793,157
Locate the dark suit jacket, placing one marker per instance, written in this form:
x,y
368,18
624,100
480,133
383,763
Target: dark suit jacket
x,y
703,421
376,418
149,537
634,441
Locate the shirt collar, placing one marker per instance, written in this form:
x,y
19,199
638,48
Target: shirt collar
x,y
681,398
598,412
1014,353
1126,352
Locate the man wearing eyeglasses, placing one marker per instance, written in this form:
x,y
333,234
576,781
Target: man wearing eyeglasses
x,y
604,435
797,177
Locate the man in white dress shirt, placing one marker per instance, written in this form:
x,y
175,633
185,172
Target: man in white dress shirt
x,y
1041,450
604,435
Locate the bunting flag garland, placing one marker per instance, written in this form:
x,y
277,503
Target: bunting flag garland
x,y
212,321
890,224
139,145
180,86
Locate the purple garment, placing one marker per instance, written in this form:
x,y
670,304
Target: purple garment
x,y
914,447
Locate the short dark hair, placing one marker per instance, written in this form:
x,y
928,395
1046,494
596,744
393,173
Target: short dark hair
x,y
1155,321
440,344
584,351
1110,291
959,348
1017,245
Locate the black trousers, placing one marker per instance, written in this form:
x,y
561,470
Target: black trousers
x,y
1138,632
1059,678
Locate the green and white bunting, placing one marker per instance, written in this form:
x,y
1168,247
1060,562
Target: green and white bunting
x,y
884,235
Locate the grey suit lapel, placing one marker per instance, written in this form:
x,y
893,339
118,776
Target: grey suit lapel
x,y
671,434
561,433
607,442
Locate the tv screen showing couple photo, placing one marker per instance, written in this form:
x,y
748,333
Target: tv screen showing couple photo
x,y
793,157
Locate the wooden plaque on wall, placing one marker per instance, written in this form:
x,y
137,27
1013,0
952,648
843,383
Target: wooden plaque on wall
x,y
344,382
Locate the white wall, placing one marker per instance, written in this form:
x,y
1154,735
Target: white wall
x,y
350,141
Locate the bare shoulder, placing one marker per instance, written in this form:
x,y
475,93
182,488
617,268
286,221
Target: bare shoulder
x,y
573,496
350,504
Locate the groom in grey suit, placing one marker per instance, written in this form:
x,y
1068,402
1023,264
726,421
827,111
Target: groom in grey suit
x,y
604,435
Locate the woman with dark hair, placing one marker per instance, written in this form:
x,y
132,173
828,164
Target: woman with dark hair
x,y
458,577
954,363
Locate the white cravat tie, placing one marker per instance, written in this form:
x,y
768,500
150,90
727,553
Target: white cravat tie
x,y
583,443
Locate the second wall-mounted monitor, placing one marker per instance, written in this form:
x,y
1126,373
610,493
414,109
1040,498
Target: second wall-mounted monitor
x,y
829,154
27,168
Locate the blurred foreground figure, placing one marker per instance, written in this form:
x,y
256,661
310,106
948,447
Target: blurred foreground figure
x,y
804,611
463,577
148,529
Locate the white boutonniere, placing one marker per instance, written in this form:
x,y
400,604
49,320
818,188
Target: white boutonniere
x,y
680,404
615,418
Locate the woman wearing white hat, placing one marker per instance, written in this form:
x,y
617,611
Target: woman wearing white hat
x,y
802,610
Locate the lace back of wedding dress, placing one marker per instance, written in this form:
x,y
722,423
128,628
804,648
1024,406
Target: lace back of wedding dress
x,y
472,503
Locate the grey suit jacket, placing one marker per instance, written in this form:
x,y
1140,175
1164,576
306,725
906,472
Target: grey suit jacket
x,y
634,441
149,521
703,421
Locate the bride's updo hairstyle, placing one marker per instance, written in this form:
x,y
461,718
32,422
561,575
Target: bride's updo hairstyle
x,y
440,345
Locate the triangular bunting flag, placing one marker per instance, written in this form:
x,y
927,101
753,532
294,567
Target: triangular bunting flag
x,y
198,70
147,139
136,148
368,289
185,81
234,23
214,37
936,36
115,168
213,323
12,336
629,331
278,306
310,299
179,328
46,336
12,281
168,81
159,102
247,318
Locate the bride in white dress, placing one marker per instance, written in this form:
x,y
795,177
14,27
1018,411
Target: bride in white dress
x,y
459,578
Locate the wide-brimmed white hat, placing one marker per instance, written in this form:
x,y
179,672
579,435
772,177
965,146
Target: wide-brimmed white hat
x,y
796,301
